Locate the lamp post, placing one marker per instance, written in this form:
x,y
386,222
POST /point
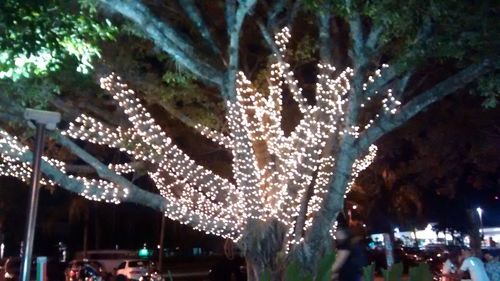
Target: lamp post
x,y
42,120
480,213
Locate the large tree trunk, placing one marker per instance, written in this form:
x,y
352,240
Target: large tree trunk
x,y
318,241
263,245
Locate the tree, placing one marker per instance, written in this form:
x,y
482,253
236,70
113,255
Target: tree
x,y
287,187
40,39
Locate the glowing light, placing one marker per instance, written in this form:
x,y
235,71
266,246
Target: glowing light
x,y
275,176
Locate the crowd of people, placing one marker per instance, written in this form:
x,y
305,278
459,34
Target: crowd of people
x,y
464,264
460,264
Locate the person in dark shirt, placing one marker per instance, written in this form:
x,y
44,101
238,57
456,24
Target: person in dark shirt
x,y
350,257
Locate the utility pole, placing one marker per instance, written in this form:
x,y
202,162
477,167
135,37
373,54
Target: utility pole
x,y
42,120
162,235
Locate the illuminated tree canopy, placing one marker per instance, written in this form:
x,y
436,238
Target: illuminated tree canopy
x,y
286,187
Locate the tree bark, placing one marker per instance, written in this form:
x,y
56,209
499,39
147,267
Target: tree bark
x,y
263,245
318,239
167,38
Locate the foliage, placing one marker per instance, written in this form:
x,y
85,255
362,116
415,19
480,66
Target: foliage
x,y
42,43
369,272
453,33
489,88
37,39
306,50
325,267
395,273
177,78
32,92
421,272
417,31
295,273
446,33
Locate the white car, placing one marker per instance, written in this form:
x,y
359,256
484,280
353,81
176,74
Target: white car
x,y
132,270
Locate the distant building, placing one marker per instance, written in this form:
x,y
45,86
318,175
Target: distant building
x,y
429,236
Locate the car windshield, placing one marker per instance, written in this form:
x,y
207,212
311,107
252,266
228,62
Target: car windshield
x,y
138,264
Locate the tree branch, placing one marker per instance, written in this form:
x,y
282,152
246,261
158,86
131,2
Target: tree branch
x,y
388,76
167,38
358,43
267,37
174,112
293,12
331,206
325,37
402,84
71,110
388,123
373,39
136,194
195,16
359,62
102,170
274,12
86,169
235,15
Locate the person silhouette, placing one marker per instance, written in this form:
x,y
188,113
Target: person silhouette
x,y
350,257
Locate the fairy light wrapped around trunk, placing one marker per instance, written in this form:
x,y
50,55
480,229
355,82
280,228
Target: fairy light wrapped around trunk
x,y
272,171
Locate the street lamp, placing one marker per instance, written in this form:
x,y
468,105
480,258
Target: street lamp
x,y
42,120
480,212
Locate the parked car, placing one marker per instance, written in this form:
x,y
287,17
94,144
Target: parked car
x,y
84,270
109,259
133,270
11,269
153,275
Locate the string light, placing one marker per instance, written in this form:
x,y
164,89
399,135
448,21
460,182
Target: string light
x,y
272,172
12,153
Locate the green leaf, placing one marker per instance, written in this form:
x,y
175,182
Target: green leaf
x,y
266,275
395,273
294,273
369,272
325,267
38,39
420,272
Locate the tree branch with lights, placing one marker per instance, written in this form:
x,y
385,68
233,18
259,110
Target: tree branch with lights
x,y
286,188
272,172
